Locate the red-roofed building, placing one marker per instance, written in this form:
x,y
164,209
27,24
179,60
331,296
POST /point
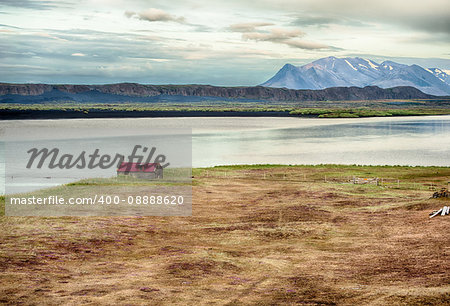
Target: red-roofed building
x,y
143,171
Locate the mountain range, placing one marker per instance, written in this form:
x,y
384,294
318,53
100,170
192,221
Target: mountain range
x,y
132,92
345,72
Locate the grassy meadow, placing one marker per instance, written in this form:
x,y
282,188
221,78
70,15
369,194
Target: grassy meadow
x,y
319,109
264,235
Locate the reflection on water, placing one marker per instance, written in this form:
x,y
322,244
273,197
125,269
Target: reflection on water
x,y
393,141
220,141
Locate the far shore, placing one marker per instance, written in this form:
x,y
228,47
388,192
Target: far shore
x,y
59,114
30,114
304,109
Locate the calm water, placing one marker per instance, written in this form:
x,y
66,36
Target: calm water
x,y
223,141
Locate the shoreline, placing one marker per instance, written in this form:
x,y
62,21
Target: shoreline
x,y
255,167
59,114
7,114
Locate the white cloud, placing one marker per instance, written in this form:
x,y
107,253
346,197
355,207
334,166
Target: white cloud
x,y
154,14
286,37
307,45
273,35
249,26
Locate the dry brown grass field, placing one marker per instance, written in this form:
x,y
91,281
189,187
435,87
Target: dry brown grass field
x,y
258,235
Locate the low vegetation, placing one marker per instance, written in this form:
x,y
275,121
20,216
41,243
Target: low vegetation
x,y
263,235
363,112
321,109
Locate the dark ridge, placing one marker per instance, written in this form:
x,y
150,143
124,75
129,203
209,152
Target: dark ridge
x,y
132,92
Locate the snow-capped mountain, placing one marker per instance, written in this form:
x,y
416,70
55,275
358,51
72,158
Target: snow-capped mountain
x,y
443,75
345,72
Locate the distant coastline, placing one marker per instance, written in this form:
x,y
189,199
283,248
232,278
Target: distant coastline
x,y
130,100
59,114
30,114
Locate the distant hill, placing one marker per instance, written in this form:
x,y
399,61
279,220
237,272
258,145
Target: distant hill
x,y
131,92
332,72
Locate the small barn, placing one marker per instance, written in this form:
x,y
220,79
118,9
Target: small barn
x,y
148,171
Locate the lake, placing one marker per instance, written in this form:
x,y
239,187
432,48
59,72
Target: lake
x,y
411,141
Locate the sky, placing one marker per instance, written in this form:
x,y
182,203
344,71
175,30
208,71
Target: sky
x,y
224,43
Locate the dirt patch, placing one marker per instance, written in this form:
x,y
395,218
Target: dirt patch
x,y
417,299
288,213
307,290
231,228
199,268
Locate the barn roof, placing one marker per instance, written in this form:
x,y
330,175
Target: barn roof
x,y
137,167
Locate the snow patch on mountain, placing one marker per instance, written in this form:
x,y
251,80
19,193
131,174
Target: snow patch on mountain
x,y
351,65
441,74
372,64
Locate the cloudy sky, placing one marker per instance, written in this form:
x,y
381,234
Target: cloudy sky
x,y
233,42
